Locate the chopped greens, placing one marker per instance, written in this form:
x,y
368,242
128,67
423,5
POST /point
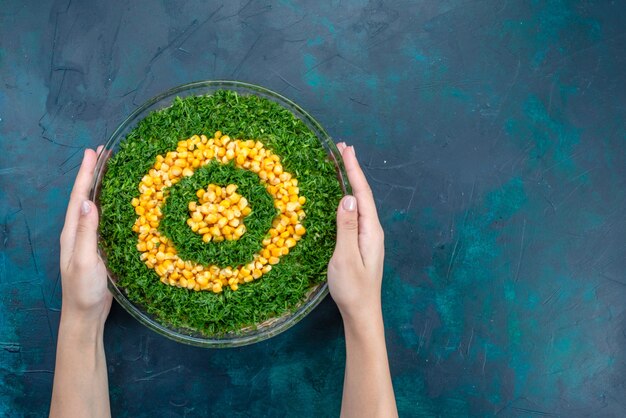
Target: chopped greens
x,y
226,253
241,117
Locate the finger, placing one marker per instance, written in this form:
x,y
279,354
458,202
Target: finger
x,y
341,146
86,243
360,186
99,149
371,236
80,192
348,229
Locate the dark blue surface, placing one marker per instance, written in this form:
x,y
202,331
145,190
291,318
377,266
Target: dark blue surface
x,y
492,132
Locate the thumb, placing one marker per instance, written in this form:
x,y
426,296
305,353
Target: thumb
x,y
348,226
86,244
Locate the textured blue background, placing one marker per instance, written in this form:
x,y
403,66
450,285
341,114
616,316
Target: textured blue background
x,y
492,132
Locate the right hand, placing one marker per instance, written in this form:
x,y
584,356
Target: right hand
x,y
355,270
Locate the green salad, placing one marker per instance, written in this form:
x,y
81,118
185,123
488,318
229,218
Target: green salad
x,y
285,284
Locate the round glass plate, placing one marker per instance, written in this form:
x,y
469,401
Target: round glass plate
x,y
260,331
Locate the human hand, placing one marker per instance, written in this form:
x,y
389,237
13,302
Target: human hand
x,y
356,268
83,274
81,386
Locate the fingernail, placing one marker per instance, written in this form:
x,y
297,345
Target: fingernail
x,y
349,203
351,148
85,208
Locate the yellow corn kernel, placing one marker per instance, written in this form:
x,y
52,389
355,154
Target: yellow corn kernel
x,y
235,198
168,265
274,260
241,229
299,229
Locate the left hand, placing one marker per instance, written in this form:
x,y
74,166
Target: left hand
x,y
83,274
